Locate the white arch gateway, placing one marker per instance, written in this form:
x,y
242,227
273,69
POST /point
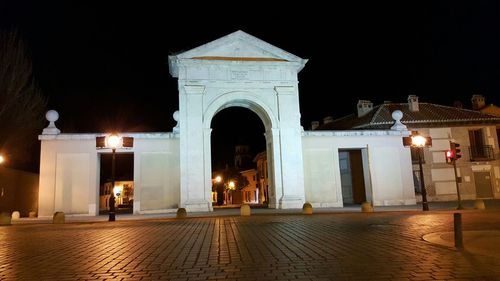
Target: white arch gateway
x,y
239,70
174,170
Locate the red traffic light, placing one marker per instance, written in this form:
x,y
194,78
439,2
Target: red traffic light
x,y
454,147
450,154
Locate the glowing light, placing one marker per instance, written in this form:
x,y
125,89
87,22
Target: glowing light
x,y
1,159
231,185
418,141
449,154
118,190
114,141
218,178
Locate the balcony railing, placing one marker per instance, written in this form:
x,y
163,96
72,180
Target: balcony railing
x,y
481,153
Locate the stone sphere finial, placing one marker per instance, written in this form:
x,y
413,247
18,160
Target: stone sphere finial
x,y
397,115
51,129
176,129
52,115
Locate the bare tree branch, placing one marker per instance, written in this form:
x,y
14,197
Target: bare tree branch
x,y
22,104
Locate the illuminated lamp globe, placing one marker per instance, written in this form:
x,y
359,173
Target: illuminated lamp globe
x,y
418,141
114,141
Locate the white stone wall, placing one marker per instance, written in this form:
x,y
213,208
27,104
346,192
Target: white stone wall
x,y
386,165
239,70
174,170
69,173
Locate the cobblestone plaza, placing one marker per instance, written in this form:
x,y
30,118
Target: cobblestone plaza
x,y
335,246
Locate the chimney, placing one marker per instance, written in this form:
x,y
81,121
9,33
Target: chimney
x,y
327,119
314,125
413,103
477,102
364,106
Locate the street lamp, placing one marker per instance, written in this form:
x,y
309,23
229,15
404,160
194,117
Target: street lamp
x,y
113,141
419,142
219,189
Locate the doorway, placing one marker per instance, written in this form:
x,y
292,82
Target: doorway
x,y
483,185
124,182
352,176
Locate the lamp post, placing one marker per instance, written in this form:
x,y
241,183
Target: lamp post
x,y
113,141
419,142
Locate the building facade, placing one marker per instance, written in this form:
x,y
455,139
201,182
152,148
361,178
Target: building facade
x,y
478,170
174,170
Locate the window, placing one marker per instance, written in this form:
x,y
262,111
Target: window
x,y
478,150
416,181
476,137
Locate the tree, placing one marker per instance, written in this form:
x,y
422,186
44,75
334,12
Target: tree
x,y
22,104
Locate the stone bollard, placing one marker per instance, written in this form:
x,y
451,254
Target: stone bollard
x,y
245,210
16,215
366,207
181,213
479,204
59,217
307,209
5,218
32,214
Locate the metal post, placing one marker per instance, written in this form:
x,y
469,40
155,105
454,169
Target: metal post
x,y
459,207
457,227
425,206
112,197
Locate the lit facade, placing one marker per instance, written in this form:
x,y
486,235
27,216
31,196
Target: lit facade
x,y
478,170
174,170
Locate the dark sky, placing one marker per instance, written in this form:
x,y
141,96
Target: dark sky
x,y
104,66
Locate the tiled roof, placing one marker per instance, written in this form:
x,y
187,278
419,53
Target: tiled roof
x,y
429,115
491,109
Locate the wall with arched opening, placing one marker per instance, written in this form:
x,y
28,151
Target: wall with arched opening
x,y
239,70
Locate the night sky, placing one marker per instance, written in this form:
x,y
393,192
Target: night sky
x,y
104,66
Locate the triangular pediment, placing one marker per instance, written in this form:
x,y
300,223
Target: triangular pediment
x,y
237,46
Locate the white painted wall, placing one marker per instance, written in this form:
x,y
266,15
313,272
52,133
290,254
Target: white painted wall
x,y
388,171
174,170
69,173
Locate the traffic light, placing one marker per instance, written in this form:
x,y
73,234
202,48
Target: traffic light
x,y
450,156
456,150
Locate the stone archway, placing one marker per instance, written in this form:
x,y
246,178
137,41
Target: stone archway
x,y
249,101
239,70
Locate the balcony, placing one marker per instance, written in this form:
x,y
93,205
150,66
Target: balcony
x,y
481,153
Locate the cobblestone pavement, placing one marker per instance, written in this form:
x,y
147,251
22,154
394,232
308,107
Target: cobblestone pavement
x,y
342,246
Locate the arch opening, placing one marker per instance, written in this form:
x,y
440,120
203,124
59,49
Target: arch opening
x,y
238,153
